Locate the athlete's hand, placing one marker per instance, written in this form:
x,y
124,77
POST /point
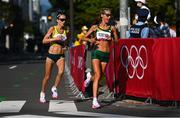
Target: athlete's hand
x,y
93,40
97,42
58,37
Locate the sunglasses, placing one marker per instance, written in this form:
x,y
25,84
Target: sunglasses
x,y
108,15
63,19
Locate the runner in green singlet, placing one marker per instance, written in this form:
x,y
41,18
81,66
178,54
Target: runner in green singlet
x,y
104,34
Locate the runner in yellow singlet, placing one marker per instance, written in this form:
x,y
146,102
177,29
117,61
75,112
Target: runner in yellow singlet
x,y
57,38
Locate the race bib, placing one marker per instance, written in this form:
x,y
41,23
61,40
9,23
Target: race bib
x,y
102,35
63,37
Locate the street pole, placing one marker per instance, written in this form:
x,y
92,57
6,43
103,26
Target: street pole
x,y
123,18
71,20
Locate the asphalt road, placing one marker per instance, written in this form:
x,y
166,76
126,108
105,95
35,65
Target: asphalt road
x,y
20,85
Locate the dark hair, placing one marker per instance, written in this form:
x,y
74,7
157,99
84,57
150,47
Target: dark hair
x,y
60,12
160,17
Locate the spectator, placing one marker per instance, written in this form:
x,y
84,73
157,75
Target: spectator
x,y
77,42
80,37
140,29
82,34
142,5
172,31
162,29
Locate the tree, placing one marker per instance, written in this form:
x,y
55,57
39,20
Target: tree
x,y
165,6
58,4
86,11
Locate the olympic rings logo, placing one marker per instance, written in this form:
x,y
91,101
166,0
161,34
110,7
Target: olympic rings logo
x,y
134,61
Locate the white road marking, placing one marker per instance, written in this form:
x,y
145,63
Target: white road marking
x,y
55,106
11,106
79,113
12,67
62,105
69,108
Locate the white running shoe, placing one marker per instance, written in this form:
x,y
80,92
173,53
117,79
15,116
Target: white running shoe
x,y
88,80
42,97
54,92
96,105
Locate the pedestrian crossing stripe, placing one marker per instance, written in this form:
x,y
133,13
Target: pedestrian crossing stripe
x,y
69,108
55,106
62,106
11,106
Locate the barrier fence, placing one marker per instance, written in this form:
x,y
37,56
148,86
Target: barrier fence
x,y
77,62
147,68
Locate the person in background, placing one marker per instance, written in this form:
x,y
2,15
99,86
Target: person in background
x,y
172,31
80,36
103,34
140,29
141,4
77,42
162,29
57,38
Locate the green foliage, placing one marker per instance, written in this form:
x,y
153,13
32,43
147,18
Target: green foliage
x,y
58,4
165,6
86,11
6,11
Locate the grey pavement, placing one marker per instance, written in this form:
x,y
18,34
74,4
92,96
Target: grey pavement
x,y
21,57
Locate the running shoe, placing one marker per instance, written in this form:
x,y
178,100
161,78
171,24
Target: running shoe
x,y
86,83
88,80
42,97
54,92
96,105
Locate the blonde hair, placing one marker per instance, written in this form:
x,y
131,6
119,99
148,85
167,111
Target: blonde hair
x,y
103,10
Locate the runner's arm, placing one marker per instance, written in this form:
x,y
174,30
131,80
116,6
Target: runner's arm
x,y
47,38
91,30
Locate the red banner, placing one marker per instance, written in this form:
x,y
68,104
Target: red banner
x,y
77,61
147,68
133,63
166,55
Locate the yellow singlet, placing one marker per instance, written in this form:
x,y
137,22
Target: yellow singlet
x,y
55,33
